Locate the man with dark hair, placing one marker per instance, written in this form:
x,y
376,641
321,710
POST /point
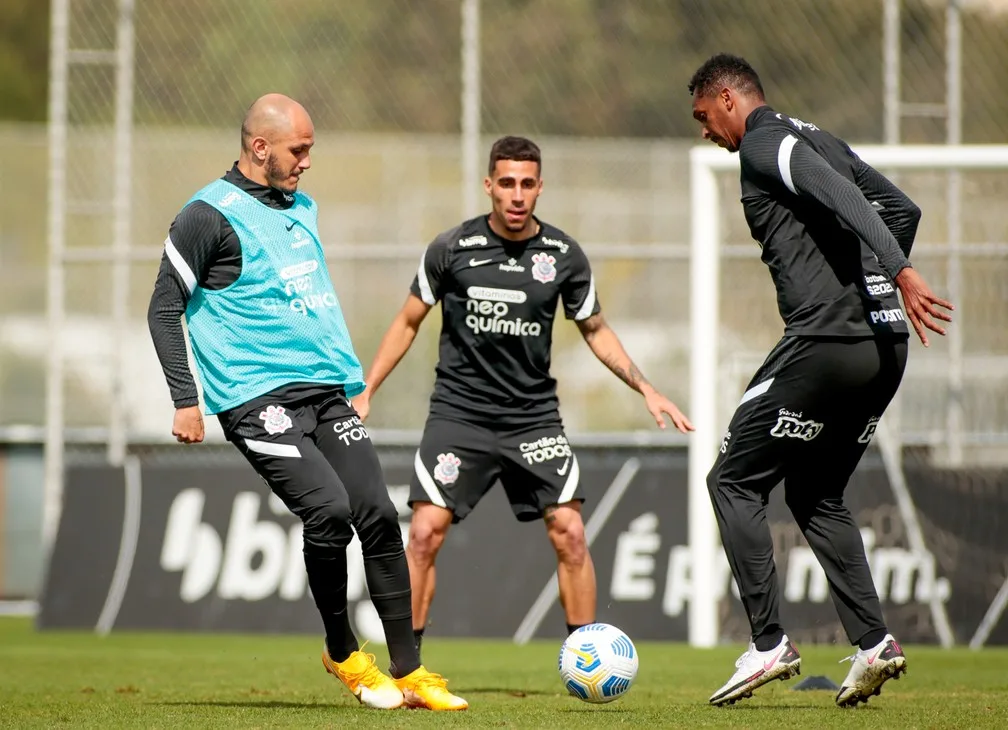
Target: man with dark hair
x,y
494,412
515,149
836,235
244,265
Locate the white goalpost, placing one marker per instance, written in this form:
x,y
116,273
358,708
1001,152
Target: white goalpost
x,y
706,403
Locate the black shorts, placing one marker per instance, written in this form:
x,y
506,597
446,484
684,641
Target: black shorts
x,y
809,413
314,453
458,462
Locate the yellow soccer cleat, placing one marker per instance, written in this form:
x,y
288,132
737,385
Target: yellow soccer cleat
x,y
428,690
365,680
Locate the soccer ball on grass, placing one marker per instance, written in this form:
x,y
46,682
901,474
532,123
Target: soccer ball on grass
x,y
598,663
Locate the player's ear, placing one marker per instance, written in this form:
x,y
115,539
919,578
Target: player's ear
x,y
487,185
728,99
260,148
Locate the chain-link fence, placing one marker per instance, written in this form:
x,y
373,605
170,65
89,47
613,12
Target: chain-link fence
x,y
601,85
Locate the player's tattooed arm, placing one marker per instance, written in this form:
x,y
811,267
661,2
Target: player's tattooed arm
x,y
609,350
606,345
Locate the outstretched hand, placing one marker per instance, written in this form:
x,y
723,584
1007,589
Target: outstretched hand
x,y
922,304
659,405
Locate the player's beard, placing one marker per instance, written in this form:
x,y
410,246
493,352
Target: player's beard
x,y
277,176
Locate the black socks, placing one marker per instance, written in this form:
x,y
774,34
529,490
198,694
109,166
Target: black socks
x,y
872,638
388,583
766,642
327,578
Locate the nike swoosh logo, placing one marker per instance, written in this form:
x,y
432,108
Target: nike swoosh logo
x,y
291,226
767,665
474,262
563,469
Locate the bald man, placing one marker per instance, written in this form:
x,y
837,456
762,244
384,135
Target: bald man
x,y
244,265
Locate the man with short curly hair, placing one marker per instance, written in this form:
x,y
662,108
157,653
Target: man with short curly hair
x,y
836,235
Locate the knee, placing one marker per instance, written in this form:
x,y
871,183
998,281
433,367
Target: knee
x,y
378,528
567,535
426,537
327,526
336,512
725,487
806,505
713,479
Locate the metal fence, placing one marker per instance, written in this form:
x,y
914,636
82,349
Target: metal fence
x,y
147,98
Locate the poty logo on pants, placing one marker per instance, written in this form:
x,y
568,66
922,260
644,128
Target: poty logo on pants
x,y
791,427
869,431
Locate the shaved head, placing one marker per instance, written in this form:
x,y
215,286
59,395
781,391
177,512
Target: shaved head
x,y
276,135
271,116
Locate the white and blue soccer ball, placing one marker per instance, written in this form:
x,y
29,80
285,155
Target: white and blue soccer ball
x,y
598,663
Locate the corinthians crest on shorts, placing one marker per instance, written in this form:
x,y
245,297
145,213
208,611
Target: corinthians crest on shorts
x,y
447,469
543,267
275,419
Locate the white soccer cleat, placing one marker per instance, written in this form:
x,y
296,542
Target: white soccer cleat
x,y
756,668
870,670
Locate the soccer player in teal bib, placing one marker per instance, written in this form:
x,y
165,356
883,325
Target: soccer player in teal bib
x,y
243,264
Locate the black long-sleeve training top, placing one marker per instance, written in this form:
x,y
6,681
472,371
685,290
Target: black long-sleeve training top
x,y
834,231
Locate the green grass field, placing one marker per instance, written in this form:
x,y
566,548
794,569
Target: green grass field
x,y
57,679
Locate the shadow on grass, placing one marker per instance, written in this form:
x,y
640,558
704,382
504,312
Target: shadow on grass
x,y
691,707
753,707
504,691
261,705
600,708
